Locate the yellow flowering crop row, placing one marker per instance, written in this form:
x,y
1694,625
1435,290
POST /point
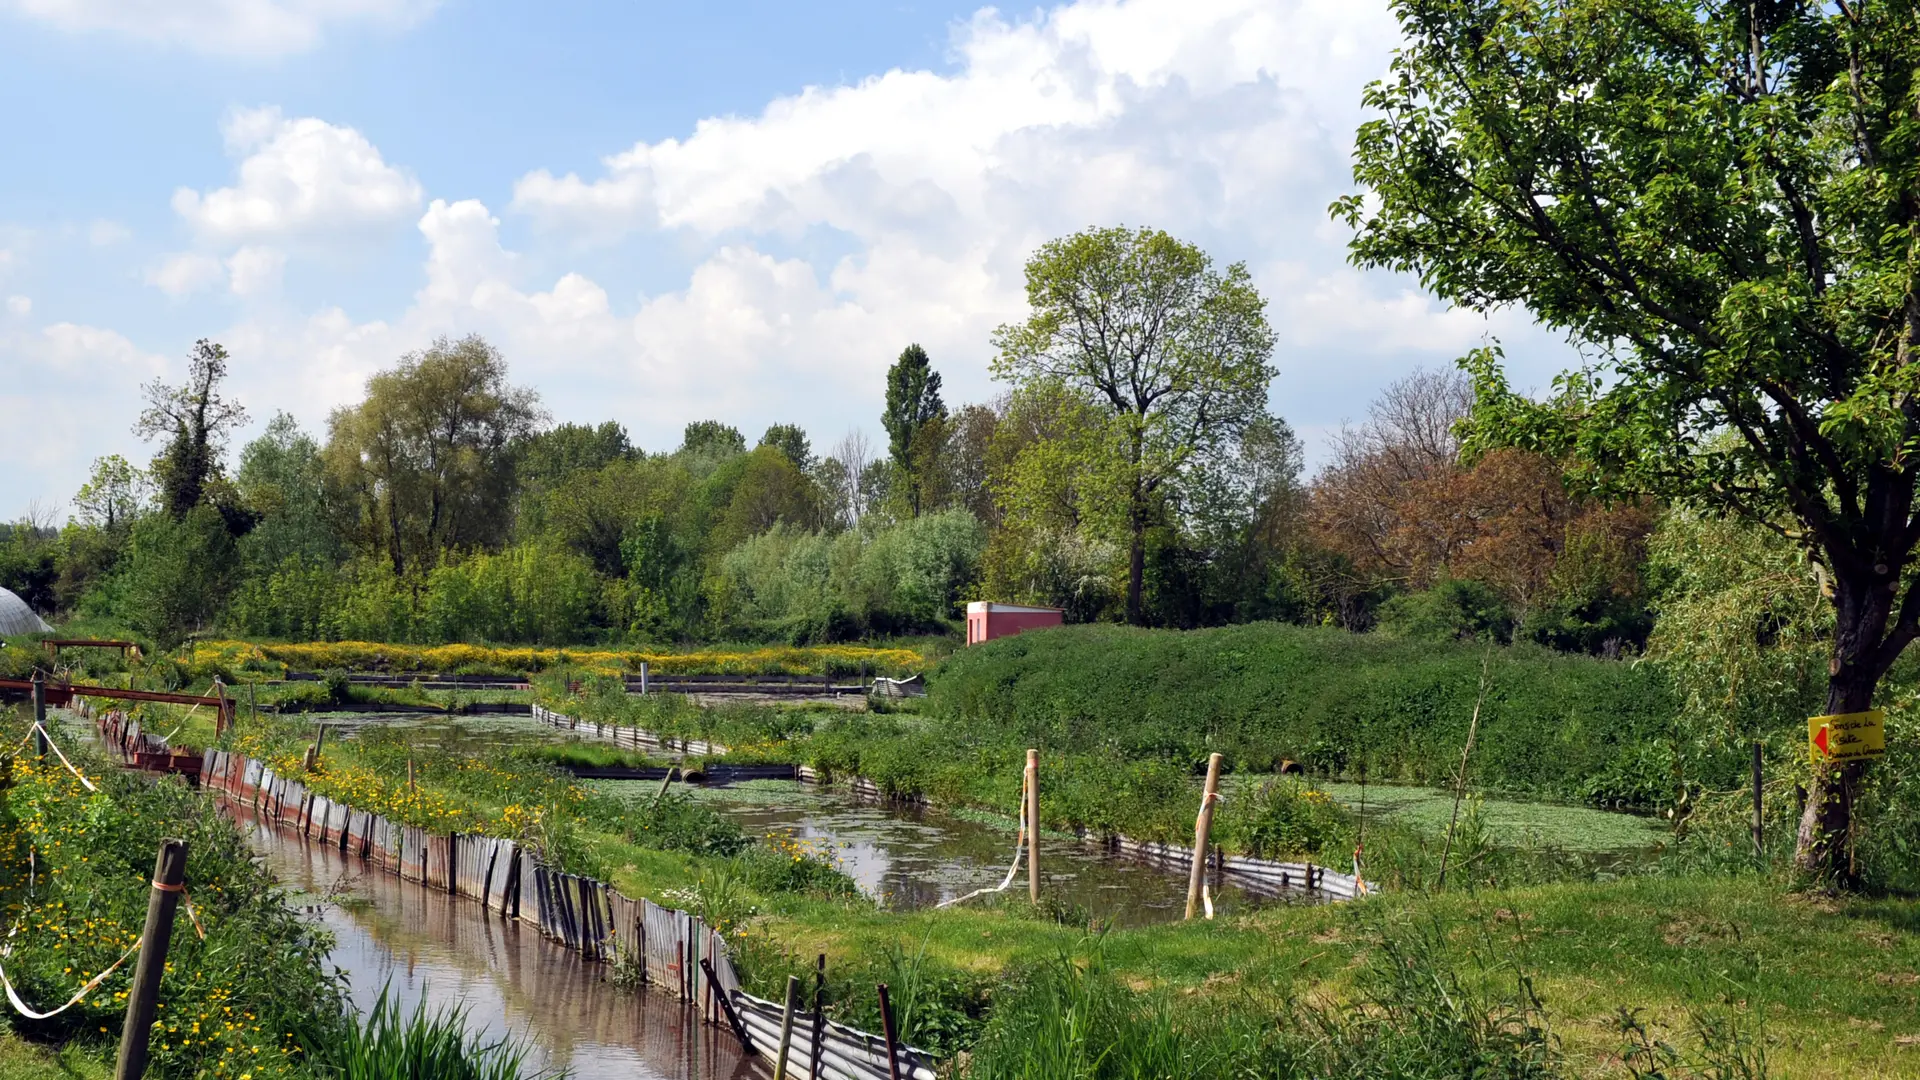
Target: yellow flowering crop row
x,y
370,656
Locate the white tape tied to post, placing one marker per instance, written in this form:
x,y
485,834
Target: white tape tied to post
x,y
1019,845
21,1007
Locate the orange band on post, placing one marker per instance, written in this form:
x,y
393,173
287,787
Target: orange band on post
x,y
169,888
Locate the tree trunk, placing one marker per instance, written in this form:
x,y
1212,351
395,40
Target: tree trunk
x,y
1824,846
1136,568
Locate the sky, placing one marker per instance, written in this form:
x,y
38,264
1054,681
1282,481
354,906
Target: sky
x,y
657,212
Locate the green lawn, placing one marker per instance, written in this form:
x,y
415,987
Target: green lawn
x,y
22,1060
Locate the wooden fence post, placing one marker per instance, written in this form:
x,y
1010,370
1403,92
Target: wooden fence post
x,y
1759,846
40,712
643,678
169,870
1033,826
886,1029
1202,826
819,1017
786,1027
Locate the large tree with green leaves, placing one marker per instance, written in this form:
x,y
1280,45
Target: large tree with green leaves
x,y
1145,327
195,420
425,463
913,417
1720,204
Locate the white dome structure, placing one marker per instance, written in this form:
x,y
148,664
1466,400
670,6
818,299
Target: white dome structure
x,y
17,618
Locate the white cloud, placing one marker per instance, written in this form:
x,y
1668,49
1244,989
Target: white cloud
x,y
67,377
104,233
251,28
255,270
300,177
840,223
19,306
185,273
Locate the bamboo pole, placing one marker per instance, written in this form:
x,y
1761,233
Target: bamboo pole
x,y
1202,826
1033,826
786,1027
169,870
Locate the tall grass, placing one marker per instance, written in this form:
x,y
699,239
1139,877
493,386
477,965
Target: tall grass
x,y
437,1044
1423,1007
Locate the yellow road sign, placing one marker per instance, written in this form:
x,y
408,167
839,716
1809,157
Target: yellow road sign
x,y
1846,737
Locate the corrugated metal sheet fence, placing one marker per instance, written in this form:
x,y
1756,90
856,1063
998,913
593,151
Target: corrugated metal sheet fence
x,y
672,950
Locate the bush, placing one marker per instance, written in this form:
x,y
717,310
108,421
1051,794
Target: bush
x,y
1285,818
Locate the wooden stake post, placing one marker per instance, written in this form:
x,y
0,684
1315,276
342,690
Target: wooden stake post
x,y
1202,826
1759,846
169,870
786,1027
40,713
1033,826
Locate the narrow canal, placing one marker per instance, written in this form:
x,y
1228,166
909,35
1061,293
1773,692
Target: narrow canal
x,y
449,952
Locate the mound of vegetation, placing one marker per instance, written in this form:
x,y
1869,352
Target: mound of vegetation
x,y
1565,726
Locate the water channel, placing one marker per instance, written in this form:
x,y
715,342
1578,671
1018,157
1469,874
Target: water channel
x,y
448,950
902,856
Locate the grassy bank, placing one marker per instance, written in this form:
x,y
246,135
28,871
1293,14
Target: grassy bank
x,y
1822,987
251,1000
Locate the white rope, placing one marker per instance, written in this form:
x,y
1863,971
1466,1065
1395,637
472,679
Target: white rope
x,y
183,722
63,759
1019,845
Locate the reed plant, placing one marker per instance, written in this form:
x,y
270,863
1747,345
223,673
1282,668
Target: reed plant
x,y
426,1044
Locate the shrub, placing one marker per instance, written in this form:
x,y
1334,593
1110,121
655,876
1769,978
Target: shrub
x,y
1284,818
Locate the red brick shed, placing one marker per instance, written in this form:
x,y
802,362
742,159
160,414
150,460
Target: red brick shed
x,y
987,620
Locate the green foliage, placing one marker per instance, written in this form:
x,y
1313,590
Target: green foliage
x,y
1414,1016
86,902
1180,367
282,480
914,412
177,574
1451,610
1337,702
811,587
791,441
29,564
424,464
1285,817
194,420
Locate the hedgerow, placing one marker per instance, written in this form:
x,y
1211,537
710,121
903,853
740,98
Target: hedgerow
x,y
1261,694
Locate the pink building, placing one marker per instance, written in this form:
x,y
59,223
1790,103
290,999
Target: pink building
x,y
987,620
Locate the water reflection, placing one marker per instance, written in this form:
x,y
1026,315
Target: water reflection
x,y
911,858
449,951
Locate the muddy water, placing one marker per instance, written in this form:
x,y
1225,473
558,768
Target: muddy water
x,y
908,858
449,951
903,857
